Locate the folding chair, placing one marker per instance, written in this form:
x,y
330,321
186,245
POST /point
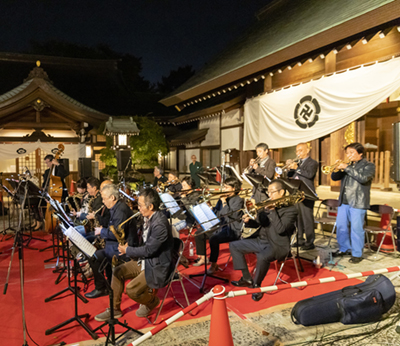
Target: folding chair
x,y
175,276
327,220
383,229
292,256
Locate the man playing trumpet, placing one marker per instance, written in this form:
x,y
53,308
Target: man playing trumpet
x,y
305,169
262,165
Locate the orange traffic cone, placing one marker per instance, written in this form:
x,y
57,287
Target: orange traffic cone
x,y
220,329
72,188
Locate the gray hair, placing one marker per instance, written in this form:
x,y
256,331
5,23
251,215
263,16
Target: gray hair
x,y
159,169
111,190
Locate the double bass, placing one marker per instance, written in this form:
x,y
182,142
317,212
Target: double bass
x,y
55,190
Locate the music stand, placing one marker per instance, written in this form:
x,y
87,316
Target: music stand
x,y
209,178
12,197
88,250
209,223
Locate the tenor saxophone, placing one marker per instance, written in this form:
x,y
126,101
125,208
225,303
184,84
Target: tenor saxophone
x,y
119,234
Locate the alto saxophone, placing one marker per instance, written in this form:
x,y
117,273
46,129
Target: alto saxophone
x,y
119,234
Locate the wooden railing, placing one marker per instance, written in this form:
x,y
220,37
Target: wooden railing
x,y
382,161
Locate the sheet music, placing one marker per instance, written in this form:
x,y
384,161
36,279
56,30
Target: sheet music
x,y
247,179
203,213
170,203
79,240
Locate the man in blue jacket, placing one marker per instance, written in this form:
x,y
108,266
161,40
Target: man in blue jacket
x,y
356,178
151,265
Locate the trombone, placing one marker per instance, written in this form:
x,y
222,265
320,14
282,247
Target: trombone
x,y
252,209
209,195
333,168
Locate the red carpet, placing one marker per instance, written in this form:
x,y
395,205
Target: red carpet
x,y
39,284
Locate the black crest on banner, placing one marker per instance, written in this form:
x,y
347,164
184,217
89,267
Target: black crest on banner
x,y
21,151
306,112
54,151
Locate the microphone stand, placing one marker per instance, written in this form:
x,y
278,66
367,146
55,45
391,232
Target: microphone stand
x,y
18,243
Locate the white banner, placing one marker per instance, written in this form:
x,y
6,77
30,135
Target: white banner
x,y
317,108
22,149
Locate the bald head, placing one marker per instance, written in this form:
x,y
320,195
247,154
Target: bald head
x,y
104,183
302,150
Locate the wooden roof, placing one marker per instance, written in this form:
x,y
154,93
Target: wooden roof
x,y
286,30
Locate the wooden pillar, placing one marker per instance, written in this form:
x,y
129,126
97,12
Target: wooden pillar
x,y
337,153
387,172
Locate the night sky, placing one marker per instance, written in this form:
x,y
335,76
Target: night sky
x,y
166,34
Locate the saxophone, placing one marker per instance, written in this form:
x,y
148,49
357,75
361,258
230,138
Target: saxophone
x,y
119,234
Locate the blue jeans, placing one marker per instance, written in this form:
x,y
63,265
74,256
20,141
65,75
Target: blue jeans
x,y
350,229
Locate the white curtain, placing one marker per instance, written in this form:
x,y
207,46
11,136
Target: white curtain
x,y
311,110
15,150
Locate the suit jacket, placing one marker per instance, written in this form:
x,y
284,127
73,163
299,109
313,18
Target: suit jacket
x,y
231,214
118,214
277,226
266,168
305,172
356,183
157,251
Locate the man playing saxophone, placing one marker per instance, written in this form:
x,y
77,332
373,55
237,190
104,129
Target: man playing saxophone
x,y
119,212
151,266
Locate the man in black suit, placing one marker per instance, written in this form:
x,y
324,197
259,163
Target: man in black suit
x,y
151,264
265,167
272,243
58,171
305,169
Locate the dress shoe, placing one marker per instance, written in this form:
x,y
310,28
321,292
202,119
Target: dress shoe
x,y
213,269
308,247
106,315
242,283
355,260
145,310
300,244
257,296
341,253
199,263
96,294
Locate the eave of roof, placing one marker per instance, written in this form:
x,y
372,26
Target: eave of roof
x,y
192,136
306,27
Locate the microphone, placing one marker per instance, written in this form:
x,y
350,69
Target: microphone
x,y
27,171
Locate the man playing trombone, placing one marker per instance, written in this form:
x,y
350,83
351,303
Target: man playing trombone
x,y
305,169
272,243
262,165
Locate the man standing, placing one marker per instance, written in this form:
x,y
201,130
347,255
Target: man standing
x,y
195,167
151,264
58,171
356,178
305,169
265,167
273,242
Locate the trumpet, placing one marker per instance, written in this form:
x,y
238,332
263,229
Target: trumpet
x,y
333,168
256,161
280,170
252,209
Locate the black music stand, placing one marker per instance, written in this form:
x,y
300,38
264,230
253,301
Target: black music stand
x,y
209,178
12,197
112,321
210,223
74,290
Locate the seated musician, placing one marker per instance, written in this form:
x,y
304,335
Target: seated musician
x,y
119,212
58,170
272,243
151,264
263,165
174,184
229,211
158,176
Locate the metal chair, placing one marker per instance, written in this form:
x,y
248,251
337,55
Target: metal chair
x,y
381,210
289,256
175,277
327,220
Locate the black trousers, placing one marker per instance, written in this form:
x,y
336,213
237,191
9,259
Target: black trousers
x,y
263,251
225,235
95,263
305,222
